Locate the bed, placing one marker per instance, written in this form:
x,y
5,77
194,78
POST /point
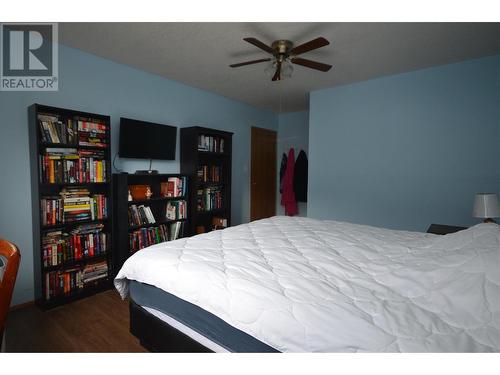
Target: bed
x,y
291,284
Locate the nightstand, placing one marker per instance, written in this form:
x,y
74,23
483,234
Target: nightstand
x,y
443,229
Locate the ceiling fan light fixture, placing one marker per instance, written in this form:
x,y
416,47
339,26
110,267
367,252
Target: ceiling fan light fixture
x,y
286,69
270,69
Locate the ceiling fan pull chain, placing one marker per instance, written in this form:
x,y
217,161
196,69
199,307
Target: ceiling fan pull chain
x,y
280,89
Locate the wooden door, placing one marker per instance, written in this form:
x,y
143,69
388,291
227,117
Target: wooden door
x,y
263,174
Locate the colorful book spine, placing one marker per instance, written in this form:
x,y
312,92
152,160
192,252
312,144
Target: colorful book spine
x,y
140,215
210,143
59,283
92,134
207,173
65,247
209,199
54,130
145,237
176,210
72,167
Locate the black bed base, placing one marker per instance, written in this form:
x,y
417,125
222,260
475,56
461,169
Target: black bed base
x,y
159,337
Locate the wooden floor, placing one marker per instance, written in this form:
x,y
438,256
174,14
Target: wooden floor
x,y
95,324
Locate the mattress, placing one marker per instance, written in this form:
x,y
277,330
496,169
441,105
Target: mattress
x,y
305,285
201,324
214,347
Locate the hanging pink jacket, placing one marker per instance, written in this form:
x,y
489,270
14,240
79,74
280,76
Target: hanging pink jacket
x,y
288,195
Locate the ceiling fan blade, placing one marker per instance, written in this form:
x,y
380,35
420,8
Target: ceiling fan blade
x,y
277,75
257,43
309,46
249,62
311,64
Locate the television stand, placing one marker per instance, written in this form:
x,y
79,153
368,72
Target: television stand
x,y
148,171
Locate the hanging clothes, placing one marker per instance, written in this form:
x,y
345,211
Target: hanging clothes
x,y
288,195
300,177
282,171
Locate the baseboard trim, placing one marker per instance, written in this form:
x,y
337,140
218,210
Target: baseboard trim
x,y
22,305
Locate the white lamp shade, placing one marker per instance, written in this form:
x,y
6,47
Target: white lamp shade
x,y
486,205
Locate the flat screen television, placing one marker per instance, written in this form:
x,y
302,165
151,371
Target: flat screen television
x,y
146,140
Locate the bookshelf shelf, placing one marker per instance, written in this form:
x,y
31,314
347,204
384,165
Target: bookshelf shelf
x,y
127,237
86,291
74,263
210,184
156,199
212,154
135,227
82,184
212,212
57,145
206,157
48,228
65,145
68,281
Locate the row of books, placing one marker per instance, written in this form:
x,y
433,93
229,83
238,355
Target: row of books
x,y
79,205
209,143
209,199
73,205
59,165
93,127
176,230
52,130
209,174
58,283
73,131
145,237
140,215
173,187
176,210
92,134
85,241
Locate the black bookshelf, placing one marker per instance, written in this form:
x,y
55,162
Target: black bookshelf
x,y
193,157
41,189
122,228
77,294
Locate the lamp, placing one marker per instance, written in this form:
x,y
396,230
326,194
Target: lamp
x,y
486,206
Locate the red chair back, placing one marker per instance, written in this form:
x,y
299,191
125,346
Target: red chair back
x,y
10,255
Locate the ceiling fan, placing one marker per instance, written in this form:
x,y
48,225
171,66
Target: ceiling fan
x,y
283,52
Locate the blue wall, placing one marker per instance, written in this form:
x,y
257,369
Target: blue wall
x,y
407,150
293,131
93,84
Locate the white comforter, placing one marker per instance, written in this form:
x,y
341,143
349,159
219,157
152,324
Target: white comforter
x,y
304,285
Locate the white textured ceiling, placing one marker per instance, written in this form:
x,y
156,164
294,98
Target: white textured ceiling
x,y
198,54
